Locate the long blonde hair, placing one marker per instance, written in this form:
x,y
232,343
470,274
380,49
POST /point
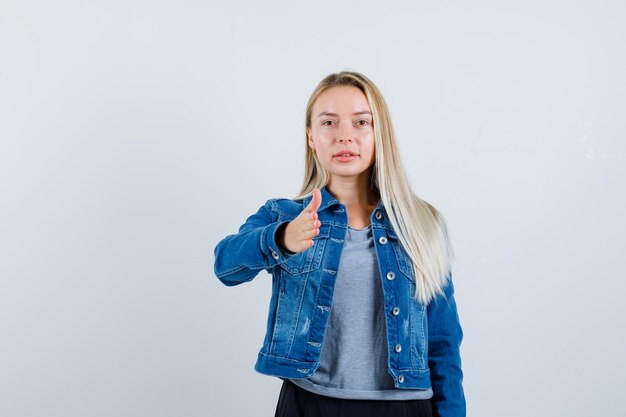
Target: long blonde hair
x,y
421,229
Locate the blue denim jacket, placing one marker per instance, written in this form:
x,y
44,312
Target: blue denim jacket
x,y
429,337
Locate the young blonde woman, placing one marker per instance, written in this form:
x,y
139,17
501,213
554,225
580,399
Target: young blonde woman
x,y
362,318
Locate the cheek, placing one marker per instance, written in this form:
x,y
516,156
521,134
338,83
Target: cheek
x,y
370,144
323,142
324,135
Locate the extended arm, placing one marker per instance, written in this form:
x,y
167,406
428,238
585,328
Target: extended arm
x,y
240,257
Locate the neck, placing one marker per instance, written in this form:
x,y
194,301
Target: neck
x,y
353,191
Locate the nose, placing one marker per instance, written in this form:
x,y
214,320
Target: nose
x,y
345,132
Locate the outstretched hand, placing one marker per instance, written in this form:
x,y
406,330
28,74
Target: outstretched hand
x,y
300,232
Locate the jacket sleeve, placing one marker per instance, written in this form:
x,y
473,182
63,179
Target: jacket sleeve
x,y
444,359
241,256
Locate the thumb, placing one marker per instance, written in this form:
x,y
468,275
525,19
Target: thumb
x,y
316,201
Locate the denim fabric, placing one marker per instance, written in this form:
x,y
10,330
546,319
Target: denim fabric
x,y
429,337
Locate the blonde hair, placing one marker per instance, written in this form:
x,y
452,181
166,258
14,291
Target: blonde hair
x,y
421,229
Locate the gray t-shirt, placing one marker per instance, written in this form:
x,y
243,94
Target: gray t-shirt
x,y
353,361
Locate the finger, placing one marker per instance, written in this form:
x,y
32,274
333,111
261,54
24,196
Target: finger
x,y
308,234
306,245
316,201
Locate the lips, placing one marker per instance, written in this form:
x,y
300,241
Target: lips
x,y
345,153
345,157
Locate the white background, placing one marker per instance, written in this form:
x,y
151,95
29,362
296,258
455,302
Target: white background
x,y
137,134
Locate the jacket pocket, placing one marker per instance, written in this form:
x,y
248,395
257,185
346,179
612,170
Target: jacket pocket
x,y
405,265
311,259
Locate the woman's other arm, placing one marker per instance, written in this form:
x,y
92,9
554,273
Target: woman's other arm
x,y
444,359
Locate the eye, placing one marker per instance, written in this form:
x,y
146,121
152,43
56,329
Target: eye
x,y
327,122
363,122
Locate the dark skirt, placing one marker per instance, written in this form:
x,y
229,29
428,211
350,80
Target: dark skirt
x,y
297,402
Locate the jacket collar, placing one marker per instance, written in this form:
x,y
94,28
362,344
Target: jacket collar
x,y
328,200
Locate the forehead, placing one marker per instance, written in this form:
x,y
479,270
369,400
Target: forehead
x,y
341,99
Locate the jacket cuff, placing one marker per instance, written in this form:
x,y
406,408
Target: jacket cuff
x,y
270,247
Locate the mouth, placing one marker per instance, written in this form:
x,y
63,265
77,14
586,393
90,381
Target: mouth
x,y
345,154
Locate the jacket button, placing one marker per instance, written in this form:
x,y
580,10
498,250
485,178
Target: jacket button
x,y
400,378
382,240
275,255
390,276
395,311
379,215
398,348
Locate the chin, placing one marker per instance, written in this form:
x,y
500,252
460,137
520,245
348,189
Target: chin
x,y
348,173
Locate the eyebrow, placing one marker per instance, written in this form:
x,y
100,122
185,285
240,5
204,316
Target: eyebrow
x,y
325,113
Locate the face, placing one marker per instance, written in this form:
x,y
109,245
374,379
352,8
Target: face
x,y
341,123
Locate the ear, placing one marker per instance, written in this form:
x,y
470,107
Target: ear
x,y
308,134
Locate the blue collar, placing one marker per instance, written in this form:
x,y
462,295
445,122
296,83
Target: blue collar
x,y
328,200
